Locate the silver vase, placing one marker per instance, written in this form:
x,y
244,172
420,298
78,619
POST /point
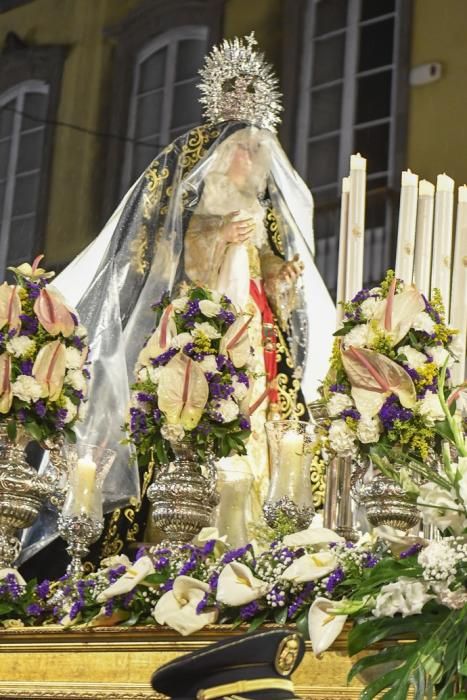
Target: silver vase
x,y
183,497
22,494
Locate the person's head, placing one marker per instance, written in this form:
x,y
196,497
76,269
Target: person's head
x,y
244,158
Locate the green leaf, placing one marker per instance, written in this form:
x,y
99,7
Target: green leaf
x,y
6,608
34,430
154,579
258,621
398,652
399,686
374,630
280,616
302,624
11,430
132,620
463,669
70,435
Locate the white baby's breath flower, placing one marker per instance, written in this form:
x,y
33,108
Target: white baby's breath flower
x,y
73,358
430,408
439,561
76,379
338,403
414,358
368,307
368,430
406,596
439,355
206,329
357,337
180,304
209,364
423,322
21,346
228,410
26,388
71,410
209,308
342,438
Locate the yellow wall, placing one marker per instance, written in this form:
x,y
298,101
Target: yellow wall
x,y
437,139
262,16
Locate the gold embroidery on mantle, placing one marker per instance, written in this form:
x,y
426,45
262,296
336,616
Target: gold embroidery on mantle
x,y
273,226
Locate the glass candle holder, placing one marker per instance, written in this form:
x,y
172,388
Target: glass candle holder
x,y
230,518
81,520
290,456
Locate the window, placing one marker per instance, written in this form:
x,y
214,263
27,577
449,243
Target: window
x,y
22,131
164,100
352,98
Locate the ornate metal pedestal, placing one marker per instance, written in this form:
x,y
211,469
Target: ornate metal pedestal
x,y
79,531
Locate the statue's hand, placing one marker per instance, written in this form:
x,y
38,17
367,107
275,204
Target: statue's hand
x,y
237,231
291,269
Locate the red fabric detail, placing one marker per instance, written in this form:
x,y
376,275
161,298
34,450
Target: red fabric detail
x,y
270,357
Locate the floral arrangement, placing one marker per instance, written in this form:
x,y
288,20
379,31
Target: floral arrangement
x,y
192,379
381,392
43,353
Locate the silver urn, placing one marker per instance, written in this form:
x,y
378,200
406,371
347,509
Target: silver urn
x,y
183,497
22,494
386,503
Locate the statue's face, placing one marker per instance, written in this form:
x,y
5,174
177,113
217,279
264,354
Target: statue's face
x,y
242,163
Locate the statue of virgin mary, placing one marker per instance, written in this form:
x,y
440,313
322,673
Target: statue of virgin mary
x,y
221,206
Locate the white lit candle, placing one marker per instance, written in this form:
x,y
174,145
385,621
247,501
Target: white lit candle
x,y
458,316
406,227
356,227
291,457
85,484
442,238
424,236
343,230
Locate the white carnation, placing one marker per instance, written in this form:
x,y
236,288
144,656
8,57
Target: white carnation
x,y
439,355
368,307
173,433
209,308
430,408
240,389
338,403
180,304
180,340
368,430
206,329
73,358
81,331
406,596
26,388
228,410
209,364
440,508
82,410
415,358
21,346
76,379
357,337
423,322
341,438
71,410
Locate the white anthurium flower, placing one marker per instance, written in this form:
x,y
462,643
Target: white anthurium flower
x,y
310,567
177,608
136,573
324,626
209,308
12,572
237,585
206,534
312,536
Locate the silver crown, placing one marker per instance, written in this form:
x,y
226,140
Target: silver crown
x,y
238,84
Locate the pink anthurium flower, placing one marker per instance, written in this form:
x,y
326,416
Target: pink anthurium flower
x,y
32,271
6,394
236,342
53,313
49,368
183,391
10,306
161,338
396,314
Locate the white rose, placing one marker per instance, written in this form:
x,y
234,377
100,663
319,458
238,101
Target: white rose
x,y
181,340
76,379
368,307
423,322
209,364
206,329
357,337
368,430
338,403
406,596
240,389
341,438
73,358
71,410
21,346
180,304
430,408
228,410
414,358
27,388
209,308
439,355
81,331
440,508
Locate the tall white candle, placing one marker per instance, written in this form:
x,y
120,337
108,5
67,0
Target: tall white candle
x,y
291,456
424,236
406,227
458,315
356,226
343,231
85,484
442,238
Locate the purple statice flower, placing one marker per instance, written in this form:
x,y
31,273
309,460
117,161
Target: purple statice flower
x,y
29,324
34,610
334,579
244,423
12,333
109,607
141,552
203,428
349,545
216,416
22,415
77,342
338,388
226,316
369,561
208,548
213,579
361,296
202,604
223,363
192,310
114,574
144,397
190,350
236,554
78,394
164,357
32,289
43,589
431,311
248,611
413,374
168,585
138,423
81,587
26,367
242,378
219,390
350,413
128,598
161,563
40,408
188,566
391,411
300,599
76,609
156,415
411,551
276,597
87,373
60,417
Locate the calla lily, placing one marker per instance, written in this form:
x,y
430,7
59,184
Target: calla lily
x,y
161,338
399,540
310,567
49,368
324,626
236,585
136,573
396,314
374,377
12,572
177,608
183,391
10,306
207,534
312,536
6,393
32,271
236,342
53,313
